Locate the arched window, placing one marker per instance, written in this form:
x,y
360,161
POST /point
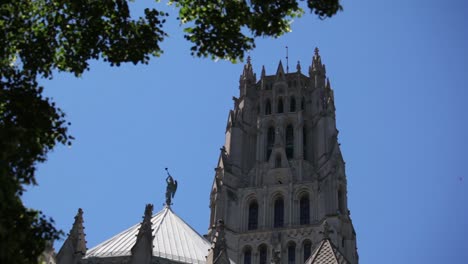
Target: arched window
x,y
267,107
307,250
253,216
341,204
262,252
291,253
278,220
280,105
270,141
304,143
278,161
292,105
304,210
302,104
248,256
289,141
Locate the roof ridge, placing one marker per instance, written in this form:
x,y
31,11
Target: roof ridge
x,y
334,250
318,251
158,225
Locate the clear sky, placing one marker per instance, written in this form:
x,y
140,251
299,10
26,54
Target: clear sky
x,y
399,71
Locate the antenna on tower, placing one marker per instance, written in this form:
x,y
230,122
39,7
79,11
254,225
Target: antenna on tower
x,y
287,60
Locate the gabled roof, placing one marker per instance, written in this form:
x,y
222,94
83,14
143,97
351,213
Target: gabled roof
x,y
326,253
173,239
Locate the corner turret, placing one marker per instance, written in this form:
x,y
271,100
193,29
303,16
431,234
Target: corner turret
x,y
317,70
74,247
142,251
247,79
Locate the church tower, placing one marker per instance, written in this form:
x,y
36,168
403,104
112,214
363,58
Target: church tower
x,y
281,176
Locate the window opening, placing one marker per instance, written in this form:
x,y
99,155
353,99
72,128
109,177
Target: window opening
x,y
253,216
291,254
304,143
289,141
280,105
278,213
270,141
248,256
262,254
304,218
307,250
292,105
268,108
341,202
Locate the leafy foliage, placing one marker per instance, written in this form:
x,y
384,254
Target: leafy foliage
x,y
38,38
226,29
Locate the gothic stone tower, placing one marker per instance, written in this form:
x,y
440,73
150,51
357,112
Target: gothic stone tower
x,y
281,174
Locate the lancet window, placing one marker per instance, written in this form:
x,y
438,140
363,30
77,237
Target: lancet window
x,y
292,104
270,141
262,252
341,206
280,105
268,107
307,250
278,220
291,253
304,143
248,256
253,216
289,141
304,210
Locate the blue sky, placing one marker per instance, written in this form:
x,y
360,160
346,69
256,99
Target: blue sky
x,y
398,69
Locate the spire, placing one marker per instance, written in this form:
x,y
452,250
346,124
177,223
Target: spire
x,y
247,73
298,67
142,251
316,60
247,79
280,71
317,72
74,247
170,189
263,71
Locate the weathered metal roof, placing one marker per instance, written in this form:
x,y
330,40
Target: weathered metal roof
x,y
173,239
326,253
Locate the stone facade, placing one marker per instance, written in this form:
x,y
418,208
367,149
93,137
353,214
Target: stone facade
x,y
280,173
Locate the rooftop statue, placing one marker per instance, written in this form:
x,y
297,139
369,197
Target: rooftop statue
x,y
170,189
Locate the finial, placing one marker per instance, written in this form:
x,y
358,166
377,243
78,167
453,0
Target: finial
x,y
248,59
287,60
298,67
326,230
148,211
316,51
170,189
